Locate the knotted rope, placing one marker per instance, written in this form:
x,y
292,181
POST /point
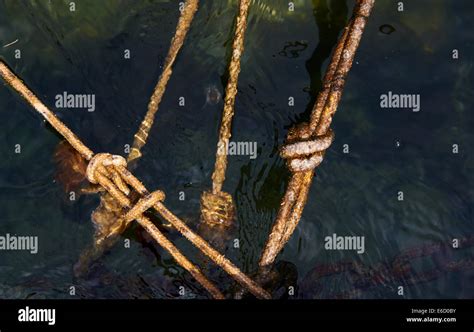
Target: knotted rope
x,y
304,155
217,206
303,151
106,170
102,169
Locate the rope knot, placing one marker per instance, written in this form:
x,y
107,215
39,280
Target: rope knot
x,y
217,208
143,205
103,164
304,151
110,172
101,161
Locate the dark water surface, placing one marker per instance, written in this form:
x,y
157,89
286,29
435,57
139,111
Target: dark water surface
x,y
285,55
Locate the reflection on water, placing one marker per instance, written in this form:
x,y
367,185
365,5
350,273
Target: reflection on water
x,y
285,55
